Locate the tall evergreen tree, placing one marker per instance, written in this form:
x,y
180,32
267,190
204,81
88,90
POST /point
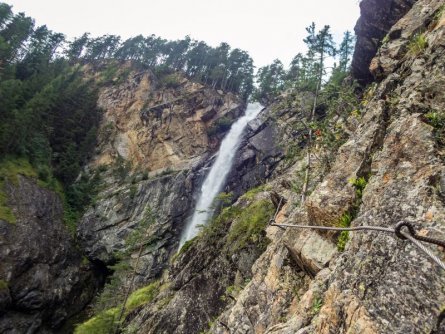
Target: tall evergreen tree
x,y
345,51
270,80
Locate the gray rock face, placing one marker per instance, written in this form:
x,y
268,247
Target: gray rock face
x,y
257,157
379,284
105,227
376,18
46,279
302,283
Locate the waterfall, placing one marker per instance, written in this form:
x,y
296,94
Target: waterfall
x,y
215,179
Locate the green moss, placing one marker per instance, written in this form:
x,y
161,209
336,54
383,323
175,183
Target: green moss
x,y
142,296
106,321
185,247
417,44
215,230
249,225
6,213
3,284
250,195
342,241
103,323
10,168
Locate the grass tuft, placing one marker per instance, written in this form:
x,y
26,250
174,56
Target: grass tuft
x,y
417,44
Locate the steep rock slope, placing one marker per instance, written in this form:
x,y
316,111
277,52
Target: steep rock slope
x,y
390,169
44,278
222,261
378,284
377,17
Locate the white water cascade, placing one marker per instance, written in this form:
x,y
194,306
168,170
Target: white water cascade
x,y
215,179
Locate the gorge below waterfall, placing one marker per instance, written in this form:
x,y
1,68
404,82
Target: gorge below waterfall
x,y
218,173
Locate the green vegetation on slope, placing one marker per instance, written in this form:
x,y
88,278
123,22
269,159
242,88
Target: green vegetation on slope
x,y
249,226
48,113
9,169
107,321
345,220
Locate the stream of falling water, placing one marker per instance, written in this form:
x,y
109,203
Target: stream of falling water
x,y
215,179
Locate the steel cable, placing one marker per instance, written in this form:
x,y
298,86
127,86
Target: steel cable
x,y
425,250
411,236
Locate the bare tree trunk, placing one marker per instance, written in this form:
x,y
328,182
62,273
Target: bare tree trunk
x,y
309,143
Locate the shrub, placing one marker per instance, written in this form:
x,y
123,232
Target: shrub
x,y
185,247
225,199
417,44
109,74
170,81
345,220
437,121
133,191
166,171
438,16
359,185
316,305
342,241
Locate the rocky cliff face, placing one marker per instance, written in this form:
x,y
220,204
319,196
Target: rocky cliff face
x,y
304,281
156,138
377,18
241,275
44,278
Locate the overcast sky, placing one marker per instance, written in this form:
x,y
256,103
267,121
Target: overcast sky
x,y
267,29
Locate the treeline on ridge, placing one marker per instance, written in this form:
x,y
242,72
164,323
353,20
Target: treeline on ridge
x,y
306,71
48,113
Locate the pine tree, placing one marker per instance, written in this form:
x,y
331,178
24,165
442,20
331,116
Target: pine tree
x,y
270,80
345,51
320,46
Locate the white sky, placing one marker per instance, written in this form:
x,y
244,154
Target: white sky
x,y
267,29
